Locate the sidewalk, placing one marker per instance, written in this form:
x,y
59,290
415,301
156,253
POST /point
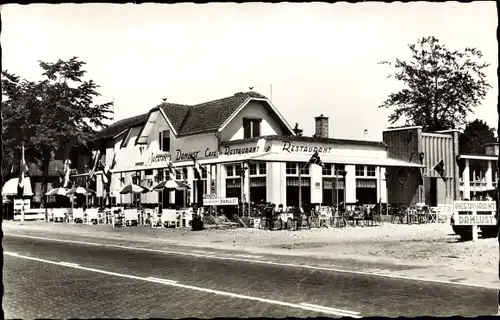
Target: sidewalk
x,y
418,251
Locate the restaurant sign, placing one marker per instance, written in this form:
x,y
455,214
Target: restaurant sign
x,y
198,154
298,148
220,201
228,151
157,158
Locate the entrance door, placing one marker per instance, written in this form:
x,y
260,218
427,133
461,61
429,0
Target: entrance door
x,y
433,192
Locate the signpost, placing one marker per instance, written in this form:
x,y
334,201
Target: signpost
x,y
214,201
475,219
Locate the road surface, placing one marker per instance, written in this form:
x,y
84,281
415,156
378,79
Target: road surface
x,y
49,279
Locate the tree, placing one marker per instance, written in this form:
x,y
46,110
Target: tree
x,y
476,134
50,115
441,86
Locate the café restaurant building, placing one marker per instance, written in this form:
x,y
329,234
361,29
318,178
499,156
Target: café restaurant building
x,y
246,131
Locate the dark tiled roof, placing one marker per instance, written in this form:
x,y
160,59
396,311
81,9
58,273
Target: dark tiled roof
x,y
309,139
204,117
209,116
176,113
119,126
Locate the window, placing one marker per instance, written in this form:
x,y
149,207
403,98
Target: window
x,y
237,170
159,176
291,168
370,171
305,168
360,171
251,127
178,174
262,168
229,171
204,174
148,172
253,169
327,169
338,168
165,142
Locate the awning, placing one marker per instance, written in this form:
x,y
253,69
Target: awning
x,y
10,187
383,162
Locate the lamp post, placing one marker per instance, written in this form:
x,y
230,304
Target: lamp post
x,y
300,183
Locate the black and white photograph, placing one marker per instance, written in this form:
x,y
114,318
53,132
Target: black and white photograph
x,y
244,160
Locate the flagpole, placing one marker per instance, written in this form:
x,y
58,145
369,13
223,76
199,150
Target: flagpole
x,y
21,177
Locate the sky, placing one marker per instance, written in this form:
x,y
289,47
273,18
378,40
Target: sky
x,y
319,58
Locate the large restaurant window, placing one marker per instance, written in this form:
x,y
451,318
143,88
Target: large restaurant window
x,y
251,127
258,192
333,191
233,188
366,191
292,191
233,181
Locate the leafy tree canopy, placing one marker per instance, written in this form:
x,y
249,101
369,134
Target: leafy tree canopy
x,y
441,87
54,113
476,134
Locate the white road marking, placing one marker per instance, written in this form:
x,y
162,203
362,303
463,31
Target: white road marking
x,y
282,264
246,256
319,309
68,264
353,313
160,280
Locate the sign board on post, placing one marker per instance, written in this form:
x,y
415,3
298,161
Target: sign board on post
x,y
220,201
475,219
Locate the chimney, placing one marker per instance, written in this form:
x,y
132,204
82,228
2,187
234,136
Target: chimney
x,y
321,126
491,149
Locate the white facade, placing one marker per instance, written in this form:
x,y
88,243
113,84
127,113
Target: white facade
x,y
273,160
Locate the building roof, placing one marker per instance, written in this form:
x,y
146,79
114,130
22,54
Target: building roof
x,y
119,126
309,139
204,117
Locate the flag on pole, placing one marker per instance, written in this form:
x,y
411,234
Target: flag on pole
x,y
171,169
67,172
95,160
23,169
113,162
198,168
440,169
315,159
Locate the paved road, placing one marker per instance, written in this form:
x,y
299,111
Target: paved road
x,y
102,281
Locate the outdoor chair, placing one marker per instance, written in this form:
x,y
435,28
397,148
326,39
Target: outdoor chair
x,y
169,218
59,214
131,217
92,215
78,215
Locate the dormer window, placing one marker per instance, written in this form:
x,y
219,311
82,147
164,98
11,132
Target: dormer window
x,y
251,127
164,140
